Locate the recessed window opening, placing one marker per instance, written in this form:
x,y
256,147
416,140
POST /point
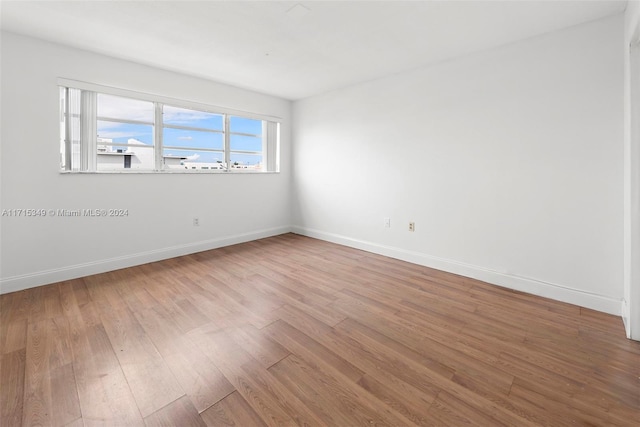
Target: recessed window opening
x,y
102,132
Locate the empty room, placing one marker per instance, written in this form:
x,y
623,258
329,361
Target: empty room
x,y
320,213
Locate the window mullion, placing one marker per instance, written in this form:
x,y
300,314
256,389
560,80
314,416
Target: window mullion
x,y
197,129
248,134
227,143
158,128
131,122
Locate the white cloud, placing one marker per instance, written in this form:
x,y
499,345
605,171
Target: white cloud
x,y
115,107
182,116
124,108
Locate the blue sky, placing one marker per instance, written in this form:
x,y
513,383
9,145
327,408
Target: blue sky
x,y
179,142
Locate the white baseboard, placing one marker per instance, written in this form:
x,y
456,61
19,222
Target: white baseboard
x,y
532,286
524,284
625,318
25,281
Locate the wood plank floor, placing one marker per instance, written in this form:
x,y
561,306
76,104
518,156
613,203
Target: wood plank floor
x,y
295,331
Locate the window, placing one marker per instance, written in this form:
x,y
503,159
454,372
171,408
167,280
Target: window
x,y
125,137
245,143
193,139
104,130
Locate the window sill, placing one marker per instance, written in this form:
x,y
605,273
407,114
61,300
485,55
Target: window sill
x,y
173,172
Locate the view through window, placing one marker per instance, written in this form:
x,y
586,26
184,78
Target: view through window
x,y
105,132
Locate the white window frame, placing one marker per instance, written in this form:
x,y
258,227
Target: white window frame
x,y
88,135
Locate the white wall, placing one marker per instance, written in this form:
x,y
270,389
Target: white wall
x,y
231,208
631,47
509,161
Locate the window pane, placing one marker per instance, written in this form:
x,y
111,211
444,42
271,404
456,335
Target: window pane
x,y
191,118
246,161
246,143
136,153
124,132
125,158
192,139
116,107
243,125
192,159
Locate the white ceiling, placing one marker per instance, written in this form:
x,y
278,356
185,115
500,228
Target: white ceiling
x,y
293,49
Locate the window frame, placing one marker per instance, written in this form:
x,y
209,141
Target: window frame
x,y
270,131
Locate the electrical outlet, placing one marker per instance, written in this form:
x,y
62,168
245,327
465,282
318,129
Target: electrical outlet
x,y
196,222
412,226
387,222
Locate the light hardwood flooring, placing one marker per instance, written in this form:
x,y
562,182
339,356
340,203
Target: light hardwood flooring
x,y
295,331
